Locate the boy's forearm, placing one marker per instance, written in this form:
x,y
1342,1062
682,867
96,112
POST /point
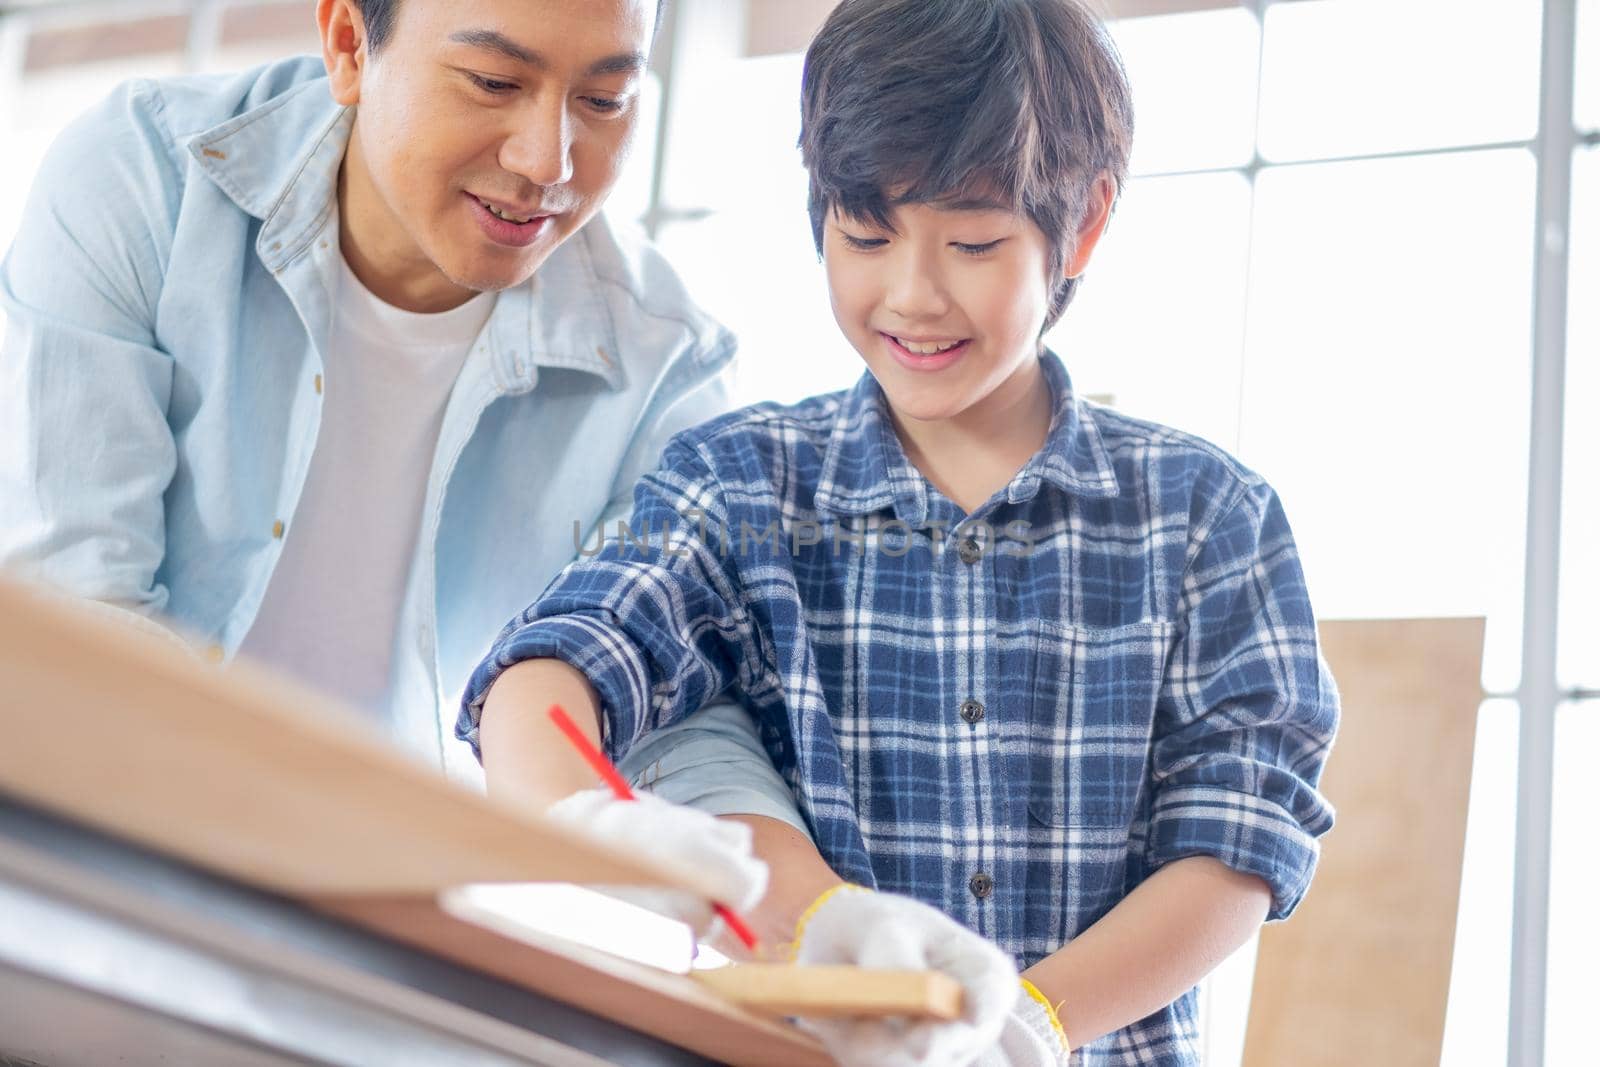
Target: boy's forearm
x,y
799,875
1153,947
526,760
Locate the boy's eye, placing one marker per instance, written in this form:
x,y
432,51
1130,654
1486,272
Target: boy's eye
x,y
979,249
862,244
491,85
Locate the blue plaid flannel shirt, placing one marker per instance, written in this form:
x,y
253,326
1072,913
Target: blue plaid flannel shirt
x,y
1015,715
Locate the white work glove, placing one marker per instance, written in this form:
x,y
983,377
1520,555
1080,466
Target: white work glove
x,y
857,926
1031,1037
650,826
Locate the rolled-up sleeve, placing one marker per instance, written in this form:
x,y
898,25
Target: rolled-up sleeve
x,y
713,761
1247,711
655,620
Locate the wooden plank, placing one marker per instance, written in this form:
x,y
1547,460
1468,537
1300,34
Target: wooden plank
x,y
674,1007
781,989
241,772
247,774
1361,973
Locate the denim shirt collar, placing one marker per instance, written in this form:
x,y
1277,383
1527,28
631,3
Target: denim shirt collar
x,y
866,469
279,162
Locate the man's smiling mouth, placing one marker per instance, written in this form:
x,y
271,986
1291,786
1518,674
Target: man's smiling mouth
x,y
503,214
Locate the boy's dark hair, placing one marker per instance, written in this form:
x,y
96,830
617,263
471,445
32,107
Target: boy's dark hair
x,y
379,17
1025,101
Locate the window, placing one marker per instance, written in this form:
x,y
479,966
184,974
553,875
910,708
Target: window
x,y
1579,655
1349,77
1386,383
1574,874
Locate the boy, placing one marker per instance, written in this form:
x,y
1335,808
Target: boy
x,y
1044,668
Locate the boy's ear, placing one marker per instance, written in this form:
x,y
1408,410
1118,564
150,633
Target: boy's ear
x,y
344,47
1102,195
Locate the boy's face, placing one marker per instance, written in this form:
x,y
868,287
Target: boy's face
x,y
525,107
946,307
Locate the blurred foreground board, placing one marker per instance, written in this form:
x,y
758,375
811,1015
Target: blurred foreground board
x,y
248,775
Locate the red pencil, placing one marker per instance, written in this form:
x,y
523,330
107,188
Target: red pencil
x,y
619,786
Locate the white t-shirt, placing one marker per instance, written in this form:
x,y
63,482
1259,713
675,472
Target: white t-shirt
x,y
330,610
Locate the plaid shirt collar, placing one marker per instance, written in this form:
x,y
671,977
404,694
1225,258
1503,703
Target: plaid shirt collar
x,y
866,470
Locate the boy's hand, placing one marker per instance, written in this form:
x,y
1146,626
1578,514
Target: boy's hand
x,y
852,925
651,826
1031,1037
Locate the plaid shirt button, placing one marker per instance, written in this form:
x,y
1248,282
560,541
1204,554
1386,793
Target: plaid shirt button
x,y
969,550
981,885
971,710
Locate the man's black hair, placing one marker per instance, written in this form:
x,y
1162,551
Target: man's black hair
x,y
379,17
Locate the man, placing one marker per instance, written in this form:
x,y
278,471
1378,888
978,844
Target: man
x,y
324,363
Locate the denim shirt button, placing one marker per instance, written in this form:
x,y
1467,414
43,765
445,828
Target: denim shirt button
x,y
969,550
981,885
971,711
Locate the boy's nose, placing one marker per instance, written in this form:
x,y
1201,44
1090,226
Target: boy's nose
x,y
914,291
539,148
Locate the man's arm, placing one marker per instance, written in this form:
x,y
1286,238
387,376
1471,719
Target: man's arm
x,y
1153,947
86,453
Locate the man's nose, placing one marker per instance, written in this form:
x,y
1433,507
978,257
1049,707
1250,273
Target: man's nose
x,y
540,145
915,290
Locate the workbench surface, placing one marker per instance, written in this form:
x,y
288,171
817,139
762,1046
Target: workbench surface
x,y
110,954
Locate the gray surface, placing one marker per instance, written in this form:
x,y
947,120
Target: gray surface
x,y
109,955
47,1025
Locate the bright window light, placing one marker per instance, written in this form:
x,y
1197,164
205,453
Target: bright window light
x,y
1579,650
1341,77
1575,871
1386,384
1194,88
1158,323
1477,1015
1587,101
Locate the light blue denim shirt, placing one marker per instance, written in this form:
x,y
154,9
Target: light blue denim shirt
x,y
168,309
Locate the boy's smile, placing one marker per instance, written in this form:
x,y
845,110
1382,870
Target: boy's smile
x,y
923,356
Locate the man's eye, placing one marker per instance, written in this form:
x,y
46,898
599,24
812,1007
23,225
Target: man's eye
x,y
977,250
492,85
863,244
604,104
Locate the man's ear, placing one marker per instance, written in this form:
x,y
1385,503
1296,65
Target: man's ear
x,y
344,47
1102,195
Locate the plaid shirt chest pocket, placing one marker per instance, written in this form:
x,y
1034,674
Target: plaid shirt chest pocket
x,y
1089,731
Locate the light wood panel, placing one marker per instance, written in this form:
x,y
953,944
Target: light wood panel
x,y
1361,972
247,774
822,992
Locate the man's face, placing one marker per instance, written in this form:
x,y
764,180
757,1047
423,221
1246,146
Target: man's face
x,y
946,307
489,131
